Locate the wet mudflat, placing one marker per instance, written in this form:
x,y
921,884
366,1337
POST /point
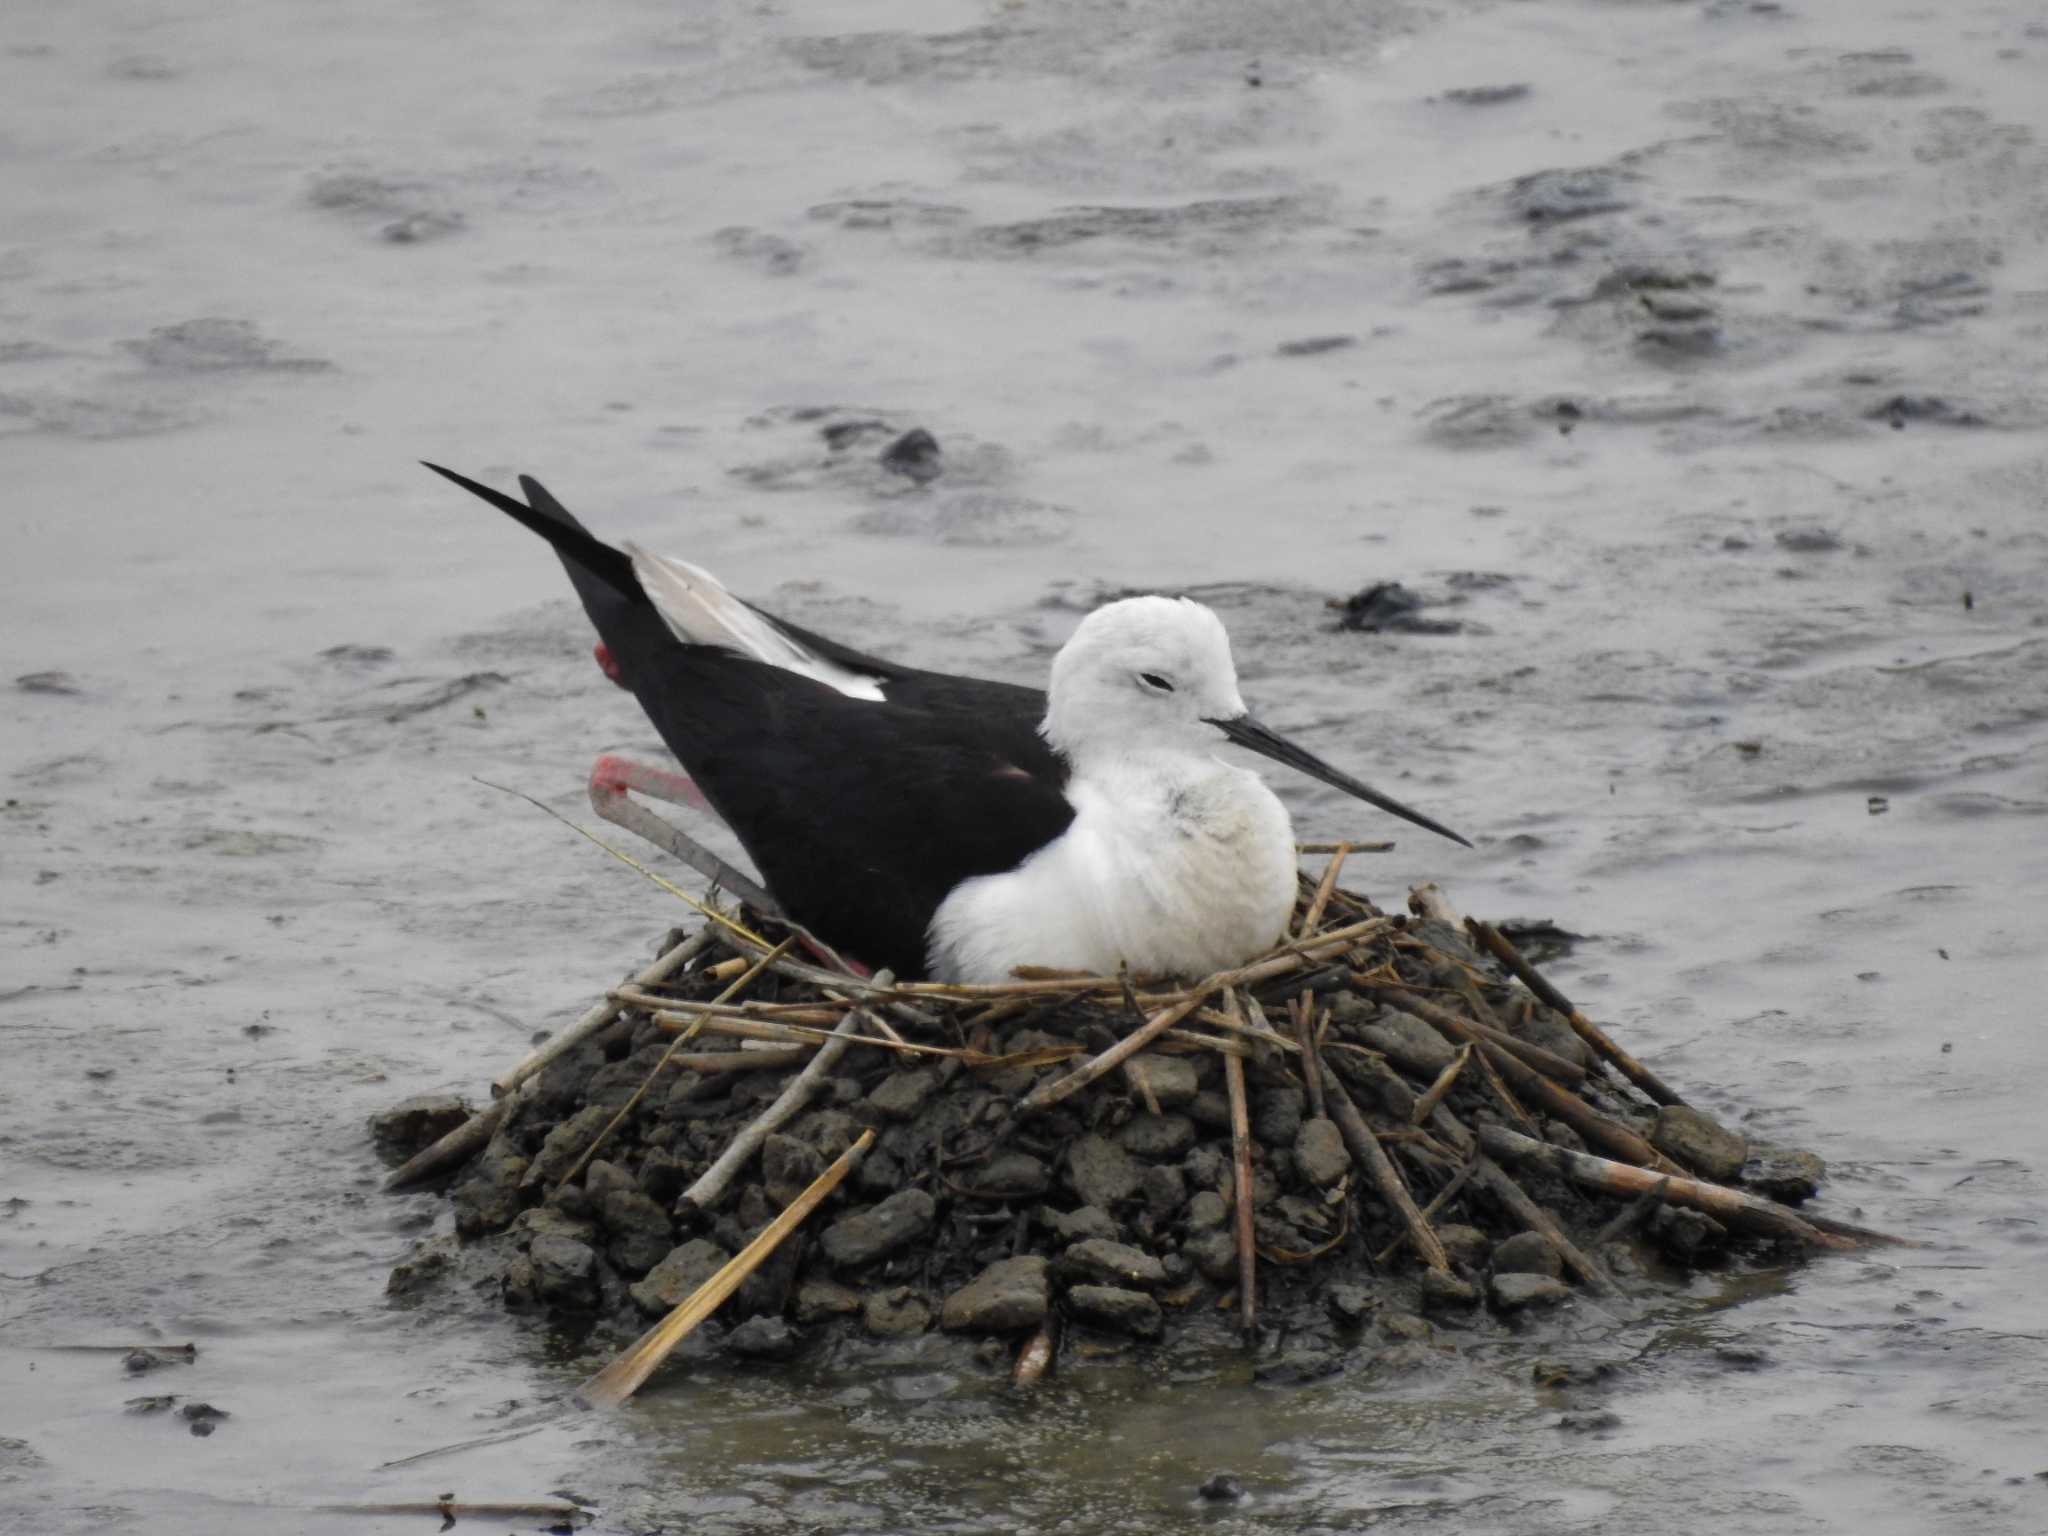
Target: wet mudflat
x,y
1684,357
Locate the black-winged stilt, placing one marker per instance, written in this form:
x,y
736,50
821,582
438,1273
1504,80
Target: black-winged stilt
x,y
952,826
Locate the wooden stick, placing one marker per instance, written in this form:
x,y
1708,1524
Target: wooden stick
x,y
1734,1206
706,1192
1489,1176
1035,1358
1497,944
1505,1096
623,1377
1532,1085
1549,1063
1307,848
460,1144
1241,1175
1373,1161
559,1045
1321,899
1304,1031
1433,1095
738,985
1437,1202
715,1063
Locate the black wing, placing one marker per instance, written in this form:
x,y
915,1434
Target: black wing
x,y
860,816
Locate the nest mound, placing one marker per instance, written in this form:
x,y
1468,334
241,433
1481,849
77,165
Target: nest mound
x,y
1379,1119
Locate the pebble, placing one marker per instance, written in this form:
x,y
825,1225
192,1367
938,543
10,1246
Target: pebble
x,y
1443,1292
1529,1253
640,1232
1111,1264
860,1239
1699,1142
1513,1292
1100,1172
1214,1255
1010,1294
763,1338
1784,1173
1222,1489
671,1281
900,1095
788,1166
820,1299
1320,1154
1014,1175
895,1313
1088,1221
1174,1080
415,1123
564,1271
1349,1305
1116,1309
1277,1113
1206,1211
1157,1138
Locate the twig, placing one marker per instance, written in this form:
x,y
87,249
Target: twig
x,y
1490,1176
1433,1095
459,1144
1381,847
1304,1032
1321,899
1241,1173
1587,1030
1462,1029
1373,1161
1631,1214
1437,1202
561,1044
1505,1096
706,1192
623,1377
1733,1206
739,985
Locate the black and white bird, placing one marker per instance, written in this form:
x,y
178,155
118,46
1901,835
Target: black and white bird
x,y
951,826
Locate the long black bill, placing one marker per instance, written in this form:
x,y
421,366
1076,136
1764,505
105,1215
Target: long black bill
x,y
1247,731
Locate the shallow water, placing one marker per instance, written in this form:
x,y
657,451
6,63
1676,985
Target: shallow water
x,y
1191,294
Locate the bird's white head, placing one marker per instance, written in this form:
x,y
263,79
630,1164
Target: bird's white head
x,y
1142,673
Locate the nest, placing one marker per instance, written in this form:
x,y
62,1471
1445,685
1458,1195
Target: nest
x,y
1388,1114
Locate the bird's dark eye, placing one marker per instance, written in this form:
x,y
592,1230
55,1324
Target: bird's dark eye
x,y
1155,682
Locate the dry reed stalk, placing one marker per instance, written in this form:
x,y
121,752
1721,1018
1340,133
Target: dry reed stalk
x,y
1304,1033
1241,1178
1504,1096
1437,1202
1733,1206
719,1063
1538,1089
1434,1094
1497,944
709,1187
1380,847
739,984
1374,1163
559,1045
1462,1029
1134,1074
1324,887
1035,1358
1492,1178
624,1376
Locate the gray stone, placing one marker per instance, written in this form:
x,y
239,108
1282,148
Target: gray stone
x,y
817,1299
1297,1368
1276,1114
415,1123
1512,1292
1089,1221
672,1281
788,1166
1095,1261
1157,1138
865,1236
901,1094
879,1174
1008,1295
1527,1253
549,1220
1013,1176
1320,1154
1699,1142
600,1178
1118,1310
1447,1293
1466,1246
640,1232
1550,1031
1589,1421
763,1338
1206,1167
1558,1134
1206,1211
1784,1173
1214,1255
566,1142
1173,1080
1686,1235
1405,1327
1408,1042
1210,1110
490,1194
1403,1359
1165,1190
1101,1173
1348,1304
895,1313
422,1269
831,1131
564,1271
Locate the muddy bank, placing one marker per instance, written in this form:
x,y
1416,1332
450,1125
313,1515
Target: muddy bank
x,y
1413,1157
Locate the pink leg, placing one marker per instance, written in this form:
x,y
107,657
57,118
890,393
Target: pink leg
x,y
612,775
606,663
